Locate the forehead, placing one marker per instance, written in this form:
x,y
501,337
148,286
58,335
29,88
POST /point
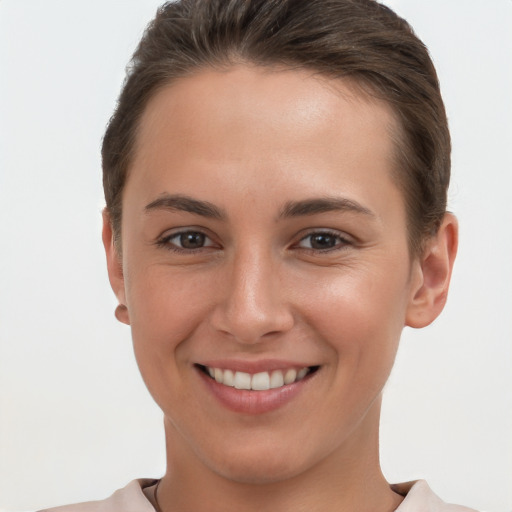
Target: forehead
x,y
251,126
251,102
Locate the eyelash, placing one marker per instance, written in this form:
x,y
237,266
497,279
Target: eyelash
x,y
341,241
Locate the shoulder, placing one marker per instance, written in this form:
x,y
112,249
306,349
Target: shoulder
x,y
420,498
128,499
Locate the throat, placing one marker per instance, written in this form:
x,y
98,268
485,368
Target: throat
x,y
337,483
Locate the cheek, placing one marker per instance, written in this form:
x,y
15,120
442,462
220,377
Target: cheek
x,y
360,314
166,306
360,321
357,298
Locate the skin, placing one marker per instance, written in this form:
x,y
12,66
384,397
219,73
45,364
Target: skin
x,y
250,141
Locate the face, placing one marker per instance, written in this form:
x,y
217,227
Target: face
x,y
265,268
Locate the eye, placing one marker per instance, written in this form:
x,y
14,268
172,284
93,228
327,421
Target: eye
x,y
186,241
323,241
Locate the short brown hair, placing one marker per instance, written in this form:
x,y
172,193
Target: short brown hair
x,y
359,40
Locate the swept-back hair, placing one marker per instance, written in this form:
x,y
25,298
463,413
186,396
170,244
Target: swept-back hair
x,y
357,40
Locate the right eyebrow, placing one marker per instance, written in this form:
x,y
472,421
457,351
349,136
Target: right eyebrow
x,y
178,202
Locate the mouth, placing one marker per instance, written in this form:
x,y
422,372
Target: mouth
x,y
261,381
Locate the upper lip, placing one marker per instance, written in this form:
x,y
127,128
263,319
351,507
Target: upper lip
x,y
264,365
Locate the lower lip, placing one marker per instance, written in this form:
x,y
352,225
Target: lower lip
x,y
253,402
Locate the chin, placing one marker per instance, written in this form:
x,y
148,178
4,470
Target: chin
x,y
260,472
259,465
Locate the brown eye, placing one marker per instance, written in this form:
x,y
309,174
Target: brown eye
x,y
192,240
186,241
323,241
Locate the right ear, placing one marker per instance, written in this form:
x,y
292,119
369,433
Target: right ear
x,y
114,268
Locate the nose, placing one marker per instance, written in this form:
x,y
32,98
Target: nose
x,y
254,306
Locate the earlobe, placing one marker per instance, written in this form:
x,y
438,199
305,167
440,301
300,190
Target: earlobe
x,y
115,269
434,270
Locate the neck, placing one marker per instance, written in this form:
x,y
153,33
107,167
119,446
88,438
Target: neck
x,y
348,479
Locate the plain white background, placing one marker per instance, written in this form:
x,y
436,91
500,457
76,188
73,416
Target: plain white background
x,y
76,422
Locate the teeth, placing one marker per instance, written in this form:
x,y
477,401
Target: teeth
x,y
302,373
229,378
276,380
290,376
259,381
242,380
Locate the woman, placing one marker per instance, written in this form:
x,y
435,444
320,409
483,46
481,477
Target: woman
x,y
275,176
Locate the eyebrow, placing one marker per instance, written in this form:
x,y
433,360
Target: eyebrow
x,y
323,205
178,202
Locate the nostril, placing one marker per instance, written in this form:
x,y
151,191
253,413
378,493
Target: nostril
x,y
253,330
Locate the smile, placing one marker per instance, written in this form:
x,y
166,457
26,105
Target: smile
x,y
261,381
255,388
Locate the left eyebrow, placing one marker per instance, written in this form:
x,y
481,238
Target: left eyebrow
x,y
322,205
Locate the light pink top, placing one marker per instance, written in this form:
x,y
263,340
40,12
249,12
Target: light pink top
x,y
138,495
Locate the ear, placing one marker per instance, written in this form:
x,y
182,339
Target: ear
x,y
114,268
433,271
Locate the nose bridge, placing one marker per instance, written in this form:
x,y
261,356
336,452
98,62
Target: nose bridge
x,y
254,304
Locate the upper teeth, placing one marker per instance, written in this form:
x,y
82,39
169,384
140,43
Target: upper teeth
x,y
257,381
